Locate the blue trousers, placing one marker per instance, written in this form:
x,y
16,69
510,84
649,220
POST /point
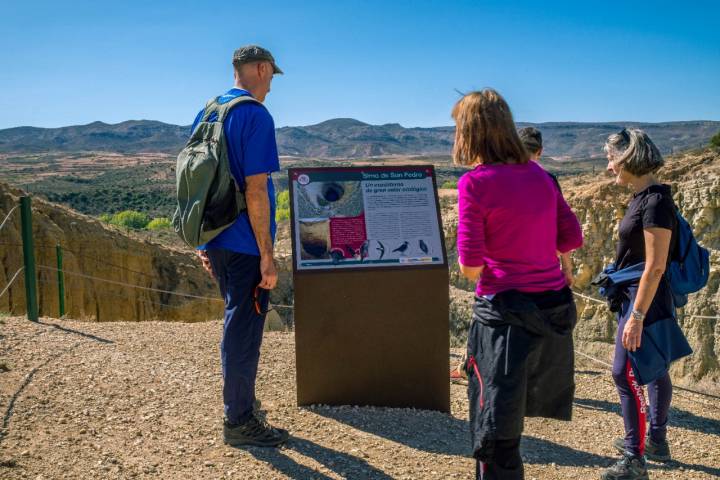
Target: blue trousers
x,y
237,275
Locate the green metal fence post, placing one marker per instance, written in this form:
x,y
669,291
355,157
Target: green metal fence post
x,y
29,259
61,280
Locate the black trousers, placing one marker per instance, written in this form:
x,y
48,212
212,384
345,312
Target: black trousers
x,y
506,464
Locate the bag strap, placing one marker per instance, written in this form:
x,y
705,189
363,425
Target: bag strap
x,y
681,224
223,109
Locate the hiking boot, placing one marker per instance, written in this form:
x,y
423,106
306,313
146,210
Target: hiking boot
x,y
657,452
628,468
258,411
458,375
255,432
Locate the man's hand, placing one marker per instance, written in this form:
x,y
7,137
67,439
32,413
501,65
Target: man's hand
x,y
205,261
268,272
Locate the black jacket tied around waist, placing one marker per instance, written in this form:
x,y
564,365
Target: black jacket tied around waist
x,y
520,363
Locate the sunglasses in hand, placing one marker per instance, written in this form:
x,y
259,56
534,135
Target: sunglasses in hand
x,y
259,295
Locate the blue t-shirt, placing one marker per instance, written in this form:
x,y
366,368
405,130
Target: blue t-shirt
x,y
250,135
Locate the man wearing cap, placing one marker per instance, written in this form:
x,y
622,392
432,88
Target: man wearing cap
x,y
241,257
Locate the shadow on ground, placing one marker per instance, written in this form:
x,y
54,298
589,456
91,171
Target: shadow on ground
x,y
343,464
676,466
72,331
444,434
537,451
432,432
678,417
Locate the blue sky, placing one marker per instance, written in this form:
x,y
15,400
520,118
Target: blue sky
x,y
73,62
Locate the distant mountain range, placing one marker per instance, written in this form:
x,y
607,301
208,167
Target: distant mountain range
x,y
345,138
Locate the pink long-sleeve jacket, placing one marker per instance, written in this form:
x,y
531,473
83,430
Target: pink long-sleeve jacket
x,y
513,221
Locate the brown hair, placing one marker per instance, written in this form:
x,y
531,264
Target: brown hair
x,y
485,131
532,139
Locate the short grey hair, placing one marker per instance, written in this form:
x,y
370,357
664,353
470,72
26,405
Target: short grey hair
x,y
633,149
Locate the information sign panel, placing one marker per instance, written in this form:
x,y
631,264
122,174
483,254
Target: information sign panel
x,y
359,217
370,281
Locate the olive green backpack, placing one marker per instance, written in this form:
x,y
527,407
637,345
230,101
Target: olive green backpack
x,y
208,198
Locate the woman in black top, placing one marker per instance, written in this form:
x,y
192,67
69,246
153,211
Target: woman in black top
x,y
646,234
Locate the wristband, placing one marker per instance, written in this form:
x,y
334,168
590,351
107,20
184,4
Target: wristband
x,y
638,315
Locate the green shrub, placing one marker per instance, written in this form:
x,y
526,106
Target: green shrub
x,y
283,199
715,140
282,207
282,214
130,219
449,184
105,217
160,223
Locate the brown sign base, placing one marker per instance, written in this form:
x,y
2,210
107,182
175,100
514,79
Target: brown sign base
x,y
376,337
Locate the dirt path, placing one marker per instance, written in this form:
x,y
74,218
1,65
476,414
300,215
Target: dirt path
x,y
142,400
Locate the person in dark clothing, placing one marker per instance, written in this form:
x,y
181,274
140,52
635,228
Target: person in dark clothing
x,y
646,234
533,142
520,353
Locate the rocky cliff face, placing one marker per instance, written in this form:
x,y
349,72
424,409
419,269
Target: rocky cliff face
x,y
599,205
94,249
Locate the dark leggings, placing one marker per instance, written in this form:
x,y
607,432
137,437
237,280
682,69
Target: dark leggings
x,y
632,399
506,465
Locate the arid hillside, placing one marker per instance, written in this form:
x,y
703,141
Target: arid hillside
x,y
342,138
131,274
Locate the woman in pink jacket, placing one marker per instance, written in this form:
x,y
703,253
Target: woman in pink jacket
x,y
513,221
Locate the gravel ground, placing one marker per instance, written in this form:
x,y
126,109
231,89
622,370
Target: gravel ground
x,y
142,400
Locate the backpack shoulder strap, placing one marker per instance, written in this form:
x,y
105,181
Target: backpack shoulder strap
x,y
222,109
210,107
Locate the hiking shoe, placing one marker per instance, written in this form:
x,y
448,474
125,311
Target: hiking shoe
x,y
258,411
458,375
255,432
657,452
628,468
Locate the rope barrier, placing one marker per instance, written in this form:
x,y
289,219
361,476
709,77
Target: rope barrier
x,y
596,360
102,293
677,387
597,300
586,297
129,285
89,258
589,298
105,293
7,287
124,284
8,216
